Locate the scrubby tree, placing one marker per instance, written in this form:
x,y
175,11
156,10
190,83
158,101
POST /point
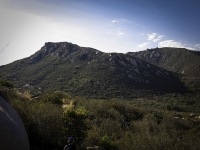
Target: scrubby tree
x,y
55,97
75,124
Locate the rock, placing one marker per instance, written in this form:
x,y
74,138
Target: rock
x,y
13,134
193,115
28,86
36,58
134,62
96,148
178,118
197,117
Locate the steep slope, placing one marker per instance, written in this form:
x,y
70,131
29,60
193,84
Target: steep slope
x,y
88,72
178,60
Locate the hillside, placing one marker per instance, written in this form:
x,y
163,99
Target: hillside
x,y
178,60
87,72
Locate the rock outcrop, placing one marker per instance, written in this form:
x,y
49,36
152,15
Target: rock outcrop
x,y
12,132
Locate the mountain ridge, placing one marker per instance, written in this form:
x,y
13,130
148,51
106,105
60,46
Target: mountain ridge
x,y
88,72
178,60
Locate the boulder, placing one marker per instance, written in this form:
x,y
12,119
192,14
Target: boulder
x,y
12,132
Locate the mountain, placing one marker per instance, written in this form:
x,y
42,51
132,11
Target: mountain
x,y
178,60
83,71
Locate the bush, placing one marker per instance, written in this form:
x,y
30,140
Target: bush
x,y
117,125
6,83
55,97
43,123
107,143
75,124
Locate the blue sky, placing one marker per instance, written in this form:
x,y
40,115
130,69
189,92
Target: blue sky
x,y
107,25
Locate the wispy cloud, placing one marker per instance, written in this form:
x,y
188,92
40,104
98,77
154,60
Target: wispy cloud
x,y
143,44
154,37
116,26
197,46
119,21
158,38
114,21
151,36
172,43
120,33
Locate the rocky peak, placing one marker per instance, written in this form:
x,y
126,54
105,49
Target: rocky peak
x,y
61,49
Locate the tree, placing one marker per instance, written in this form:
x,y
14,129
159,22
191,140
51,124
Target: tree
x,y
75,124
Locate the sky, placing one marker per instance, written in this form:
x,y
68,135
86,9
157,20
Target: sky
x,y
107,25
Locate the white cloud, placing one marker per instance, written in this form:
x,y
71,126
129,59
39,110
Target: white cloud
x,y
169,43
155,40
158,38
151,36
143,44
172,43
154,37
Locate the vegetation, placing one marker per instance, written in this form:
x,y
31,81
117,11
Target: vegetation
x,y
124,102
115,124
55,97
89,73
75,125
178,60
6,83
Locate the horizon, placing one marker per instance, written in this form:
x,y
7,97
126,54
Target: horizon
x,y
109,26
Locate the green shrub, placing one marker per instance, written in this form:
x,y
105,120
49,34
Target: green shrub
x,y
75,124
55,97
6,83
107,143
